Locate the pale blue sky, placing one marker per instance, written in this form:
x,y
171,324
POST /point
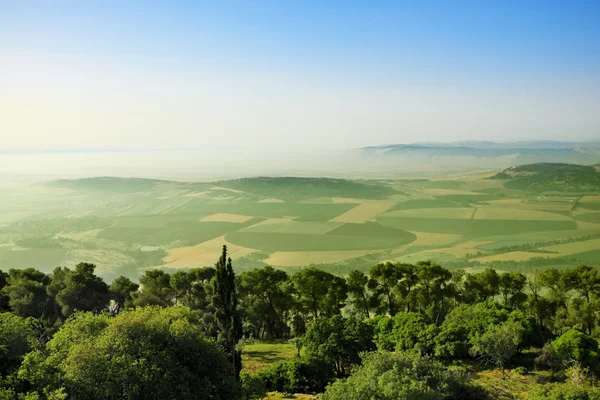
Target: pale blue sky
x,y
79,74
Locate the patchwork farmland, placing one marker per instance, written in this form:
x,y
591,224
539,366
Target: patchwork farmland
x,y
128,225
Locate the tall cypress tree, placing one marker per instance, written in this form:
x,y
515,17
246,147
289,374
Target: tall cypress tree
x,y
225,301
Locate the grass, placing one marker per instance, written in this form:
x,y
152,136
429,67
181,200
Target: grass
x,y
591,217
518,214
432,213
272,242
257,355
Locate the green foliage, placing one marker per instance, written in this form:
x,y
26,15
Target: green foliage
x,y
574,345
225,302
298,375
155,289
405,331
266,294
81,290
26,292
253,386
400,376
120,291
553,177
499,343
149,353
320,293
338,341
554,391
17,337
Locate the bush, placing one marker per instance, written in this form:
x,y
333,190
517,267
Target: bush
x,y
297,376
577,346
402,376
253,387
405,331
554,391
16,339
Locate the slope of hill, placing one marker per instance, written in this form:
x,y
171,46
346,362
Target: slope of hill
x,y
305,188
556,177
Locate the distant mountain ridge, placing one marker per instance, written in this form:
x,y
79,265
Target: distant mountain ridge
x,y
487,154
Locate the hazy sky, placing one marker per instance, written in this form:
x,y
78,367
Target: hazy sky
x,y
289,74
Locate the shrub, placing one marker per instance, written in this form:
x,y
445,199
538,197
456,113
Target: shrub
x,y
576,346
297,376
554,391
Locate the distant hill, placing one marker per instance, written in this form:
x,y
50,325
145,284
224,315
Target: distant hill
x,y
304,188
109,184
556,177
285,188
485,154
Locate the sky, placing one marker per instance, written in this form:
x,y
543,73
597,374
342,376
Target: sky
x,y
106,75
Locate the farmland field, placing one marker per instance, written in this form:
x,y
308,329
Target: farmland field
x,y
126,226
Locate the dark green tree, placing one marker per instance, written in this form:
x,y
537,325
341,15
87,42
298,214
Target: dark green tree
x,y
120,292
82,290
357,288
26,292
225,302
320,293
155,290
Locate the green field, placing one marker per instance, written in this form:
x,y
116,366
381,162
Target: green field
x,y
129,225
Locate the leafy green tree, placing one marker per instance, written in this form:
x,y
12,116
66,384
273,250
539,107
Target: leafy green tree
x,y
147,353
499,343
266,299
357,288
405,331
82,290
482,286
192,288
225,303
401,376
338,341
26,292
560,284
17,336
574,345
383,282
586,281
3,297
120,292
511,286
155,290
320,293
434,287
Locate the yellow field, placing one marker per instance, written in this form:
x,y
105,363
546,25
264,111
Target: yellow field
x,y
446,213
434,239
364,212
517,214
590,199
514,256
588,225
505,202
203,254
220,217
304,258
567,249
